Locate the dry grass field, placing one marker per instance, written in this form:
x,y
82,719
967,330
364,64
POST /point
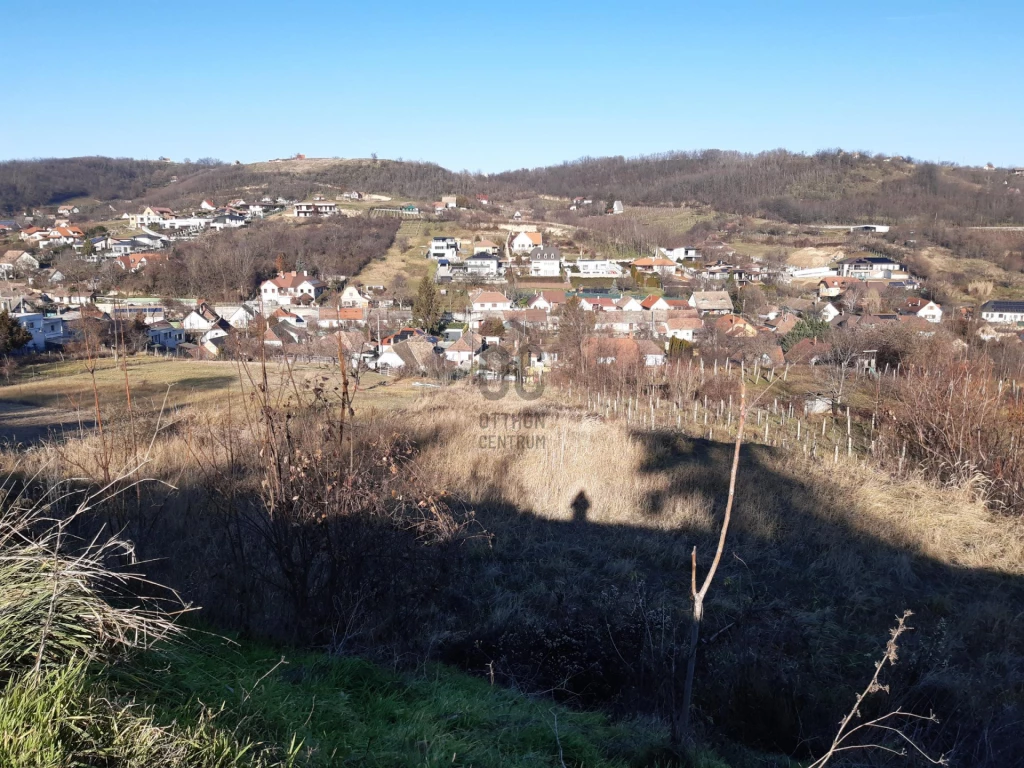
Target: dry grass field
x,y
574,576
59,397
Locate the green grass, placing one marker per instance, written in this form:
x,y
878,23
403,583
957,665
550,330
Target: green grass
x,y
349,711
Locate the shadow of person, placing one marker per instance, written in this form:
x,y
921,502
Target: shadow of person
x,y
579,507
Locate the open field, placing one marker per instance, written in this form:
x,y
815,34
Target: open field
x,y
58,397
409,262
675,220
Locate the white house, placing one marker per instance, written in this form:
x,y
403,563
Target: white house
x,y
547,300
598,268
41,328
207,205
628,304
684,328
1003,312
202,318
148,216
291,288
351,297
237,316
444,248
314,208
678,254
229,221
490,301
525,242
482,265
15,260
467,347
653,302
545,262
871,268
829,312
929,310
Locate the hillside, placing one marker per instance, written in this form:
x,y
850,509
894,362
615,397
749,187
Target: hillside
x,y
827,187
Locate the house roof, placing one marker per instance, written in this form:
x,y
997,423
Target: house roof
x,y
915,305
916,323
526,315
1003,306
784,323
545,253
489,297
551,297
712,300
534,237
467,342
650,301
839,282
734,325
647,347
415,353
655,262
684,324
291,280
807,351
345,313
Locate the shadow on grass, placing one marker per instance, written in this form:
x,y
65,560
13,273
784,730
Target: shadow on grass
x,y
596,614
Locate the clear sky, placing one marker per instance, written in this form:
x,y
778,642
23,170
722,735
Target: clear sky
x,y
495,85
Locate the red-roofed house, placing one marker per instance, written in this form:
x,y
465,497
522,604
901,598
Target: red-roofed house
x,y
547,300
133,262
525,242
654,302
831,287
291,288
658,265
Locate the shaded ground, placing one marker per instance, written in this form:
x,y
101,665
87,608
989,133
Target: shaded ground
x,y
26,424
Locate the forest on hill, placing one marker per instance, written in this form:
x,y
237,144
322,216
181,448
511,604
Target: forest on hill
x,y
829,187
29,183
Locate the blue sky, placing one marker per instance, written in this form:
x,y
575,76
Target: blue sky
x,y
492,86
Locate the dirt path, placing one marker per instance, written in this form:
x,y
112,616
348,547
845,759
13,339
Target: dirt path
x,y
25,424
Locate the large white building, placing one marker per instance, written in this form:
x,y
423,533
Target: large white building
x,y
315,208
545,262
1003,312
291,287
598,268
444,248
41,328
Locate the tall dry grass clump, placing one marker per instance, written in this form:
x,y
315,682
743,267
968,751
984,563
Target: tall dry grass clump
x,y
66,618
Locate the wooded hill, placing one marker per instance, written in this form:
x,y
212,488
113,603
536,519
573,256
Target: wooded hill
x,y
830,187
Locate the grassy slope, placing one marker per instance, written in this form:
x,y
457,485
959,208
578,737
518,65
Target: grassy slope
x,y
345,710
